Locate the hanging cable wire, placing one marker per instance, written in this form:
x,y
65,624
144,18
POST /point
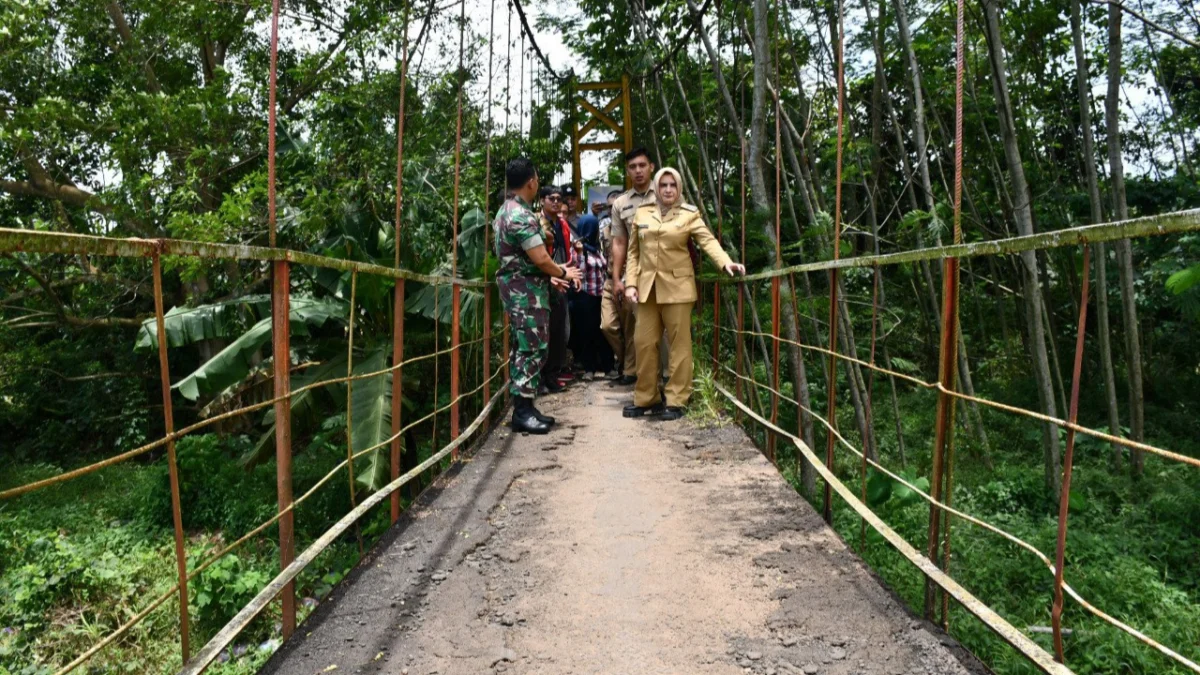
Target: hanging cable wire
x,y
508,43
521,88
533,41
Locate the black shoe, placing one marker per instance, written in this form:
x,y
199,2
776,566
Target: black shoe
x,y
552,386
673,412
639,410
523,419
537,414
624,380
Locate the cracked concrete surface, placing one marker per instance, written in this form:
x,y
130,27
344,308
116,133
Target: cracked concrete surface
x,y
614,546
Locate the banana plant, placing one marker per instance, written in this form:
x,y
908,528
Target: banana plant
x,y
189,325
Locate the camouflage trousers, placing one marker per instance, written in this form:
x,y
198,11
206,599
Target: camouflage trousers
x,y
527,303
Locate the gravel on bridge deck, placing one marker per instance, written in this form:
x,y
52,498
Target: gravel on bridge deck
x,y
614,546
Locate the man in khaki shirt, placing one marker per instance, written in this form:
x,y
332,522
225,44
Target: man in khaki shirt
x,y
616,315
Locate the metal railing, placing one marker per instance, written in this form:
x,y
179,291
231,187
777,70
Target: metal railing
x,y
281,260
934,562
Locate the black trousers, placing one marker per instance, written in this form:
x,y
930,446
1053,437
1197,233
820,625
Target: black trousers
x,y
592,351
556,359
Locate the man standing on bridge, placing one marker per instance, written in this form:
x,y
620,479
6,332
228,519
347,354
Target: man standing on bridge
x,y
524,279
617,316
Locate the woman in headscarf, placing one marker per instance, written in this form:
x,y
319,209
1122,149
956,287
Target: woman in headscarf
x,y
592,352
660,279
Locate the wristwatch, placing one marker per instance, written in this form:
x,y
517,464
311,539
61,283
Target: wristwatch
x,y
564,272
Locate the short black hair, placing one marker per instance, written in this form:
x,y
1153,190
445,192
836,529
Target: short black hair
x,y
616,192
638,152
518,172
548,190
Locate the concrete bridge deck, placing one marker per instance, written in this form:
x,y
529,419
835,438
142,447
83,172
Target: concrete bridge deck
x,y
614,546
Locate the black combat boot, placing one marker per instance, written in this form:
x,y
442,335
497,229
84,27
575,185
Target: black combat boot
x,y
523,419
544,419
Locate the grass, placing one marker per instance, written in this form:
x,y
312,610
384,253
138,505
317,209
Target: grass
x,y
706,407
79,559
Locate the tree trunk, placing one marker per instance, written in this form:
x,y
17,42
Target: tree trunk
x,y
974,415
709,168
758,115
1024,216
919,131
754,171
1133,347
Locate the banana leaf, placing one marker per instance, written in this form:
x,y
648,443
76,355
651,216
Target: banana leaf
x,y
371,405
233,363
189,325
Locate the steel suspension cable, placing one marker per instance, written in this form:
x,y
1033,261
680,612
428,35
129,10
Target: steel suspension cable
x,y
508,69
280,351
455,290
943,451
521,88
776,281
487,194
533,41
398,295
271,106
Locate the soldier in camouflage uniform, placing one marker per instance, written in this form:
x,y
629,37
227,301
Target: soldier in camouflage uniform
x,y
524,279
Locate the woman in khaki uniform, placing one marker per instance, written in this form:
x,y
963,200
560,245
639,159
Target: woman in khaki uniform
x,y
660,280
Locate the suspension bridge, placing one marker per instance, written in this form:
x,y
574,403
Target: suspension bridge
x,y
613,545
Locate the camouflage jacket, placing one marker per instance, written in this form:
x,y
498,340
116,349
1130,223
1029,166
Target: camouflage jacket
x,y
517,231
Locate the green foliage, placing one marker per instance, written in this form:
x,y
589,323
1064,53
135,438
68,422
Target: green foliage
x,y
707,405
1184,280
189,325
232,364
882,488
371,405
223,589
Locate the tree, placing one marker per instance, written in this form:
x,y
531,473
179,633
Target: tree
x,y
1023,214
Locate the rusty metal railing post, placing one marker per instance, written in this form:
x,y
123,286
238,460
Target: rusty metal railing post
x,y
771,438
741,298
398,300
350,406
455,361
947,380
942,470
487,330
164,375
1068,463
281,351
487,192
505,350
716,345
455,290
776,280
281,346
397,390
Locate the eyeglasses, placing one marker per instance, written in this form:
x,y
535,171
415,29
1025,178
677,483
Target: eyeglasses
x,y
553,199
